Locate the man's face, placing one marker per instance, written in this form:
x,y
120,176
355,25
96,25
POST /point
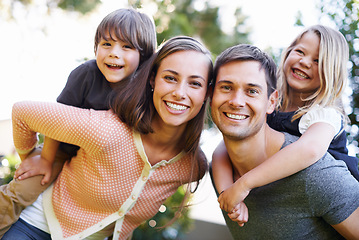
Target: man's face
x,y
240,103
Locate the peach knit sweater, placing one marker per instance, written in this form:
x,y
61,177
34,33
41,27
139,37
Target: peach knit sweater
x,y
109,181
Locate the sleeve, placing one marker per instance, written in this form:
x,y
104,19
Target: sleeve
x,y
333,191
86,128
75,89
319,114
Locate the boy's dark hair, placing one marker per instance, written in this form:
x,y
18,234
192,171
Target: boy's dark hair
x,y
129,26
246,52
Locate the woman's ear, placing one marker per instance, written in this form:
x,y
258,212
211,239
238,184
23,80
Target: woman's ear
x,y
152,80
272,102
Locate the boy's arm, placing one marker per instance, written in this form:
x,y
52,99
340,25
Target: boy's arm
x,y
39,165
222,169
308,149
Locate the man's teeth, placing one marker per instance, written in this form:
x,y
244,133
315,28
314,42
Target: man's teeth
x,y
236,116
300,74
176,106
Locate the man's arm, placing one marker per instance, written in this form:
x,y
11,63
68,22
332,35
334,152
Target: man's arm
x,y
349,228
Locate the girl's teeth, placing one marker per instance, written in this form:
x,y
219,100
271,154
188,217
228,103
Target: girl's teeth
x,y
235,116
300,74
176,106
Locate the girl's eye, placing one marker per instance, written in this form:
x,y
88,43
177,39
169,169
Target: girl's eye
x,y
299,51
316,61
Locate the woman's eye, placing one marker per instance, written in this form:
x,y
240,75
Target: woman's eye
x,y
196,84
170,78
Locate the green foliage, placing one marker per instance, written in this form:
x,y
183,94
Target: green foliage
x,y
7,167
156,229
83,6
181,17
345,14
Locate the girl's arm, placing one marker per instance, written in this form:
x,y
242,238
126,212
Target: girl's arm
x,y
222,170
308,149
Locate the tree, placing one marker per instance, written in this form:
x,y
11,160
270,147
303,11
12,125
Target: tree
x,y
182,17
345,15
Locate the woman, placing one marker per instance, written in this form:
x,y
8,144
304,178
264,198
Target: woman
x,y
131,158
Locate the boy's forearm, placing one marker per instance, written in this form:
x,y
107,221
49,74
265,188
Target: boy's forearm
x,y
49,149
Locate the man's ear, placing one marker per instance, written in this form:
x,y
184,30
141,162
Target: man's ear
x,y
272,102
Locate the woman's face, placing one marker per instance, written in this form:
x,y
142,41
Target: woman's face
x,y
180,87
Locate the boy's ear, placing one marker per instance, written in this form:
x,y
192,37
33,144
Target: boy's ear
x,y
272,102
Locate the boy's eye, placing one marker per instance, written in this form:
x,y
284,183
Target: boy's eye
x,y
127,46
106,44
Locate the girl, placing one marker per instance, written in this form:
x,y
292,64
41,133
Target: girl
x,y
124,39
131,157
311,80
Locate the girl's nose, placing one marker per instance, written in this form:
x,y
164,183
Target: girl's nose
x,y
305,62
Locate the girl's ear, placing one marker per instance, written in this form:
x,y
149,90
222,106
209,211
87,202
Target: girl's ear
x,y
272,102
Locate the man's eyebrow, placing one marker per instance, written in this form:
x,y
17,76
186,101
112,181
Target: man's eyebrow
x,y
255,85
225,81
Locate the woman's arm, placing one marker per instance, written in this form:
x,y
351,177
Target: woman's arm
x,y
60,122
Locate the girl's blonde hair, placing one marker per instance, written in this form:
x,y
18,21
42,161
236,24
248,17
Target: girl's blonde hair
x,y
332,68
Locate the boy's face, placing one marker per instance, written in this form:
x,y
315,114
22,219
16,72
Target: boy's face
x,y
240,102
116,59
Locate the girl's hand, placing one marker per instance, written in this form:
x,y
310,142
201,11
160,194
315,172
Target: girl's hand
x,y
239,214
33,166
232,196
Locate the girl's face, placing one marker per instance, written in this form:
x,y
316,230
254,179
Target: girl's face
x,y
301,66
180,87
116,59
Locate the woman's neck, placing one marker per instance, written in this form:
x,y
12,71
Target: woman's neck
x,y
164,143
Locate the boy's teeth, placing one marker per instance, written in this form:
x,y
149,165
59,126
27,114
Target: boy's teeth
x,y
235,116
176,106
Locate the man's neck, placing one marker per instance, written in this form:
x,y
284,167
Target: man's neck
x,y
248,153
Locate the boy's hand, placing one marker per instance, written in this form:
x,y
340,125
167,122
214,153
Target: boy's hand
x,y
232,196
33,166
239,214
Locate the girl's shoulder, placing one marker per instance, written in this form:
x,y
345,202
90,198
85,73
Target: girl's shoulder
x,y
321,114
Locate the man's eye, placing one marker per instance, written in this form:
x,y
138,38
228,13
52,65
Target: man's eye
x,y
253,91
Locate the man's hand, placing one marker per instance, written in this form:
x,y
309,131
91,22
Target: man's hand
x,y
33,166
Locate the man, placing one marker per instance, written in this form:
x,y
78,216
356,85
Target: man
x,y
320,202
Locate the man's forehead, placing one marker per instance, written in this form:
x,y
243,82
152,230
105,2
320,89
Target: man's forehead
x,y
242,72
